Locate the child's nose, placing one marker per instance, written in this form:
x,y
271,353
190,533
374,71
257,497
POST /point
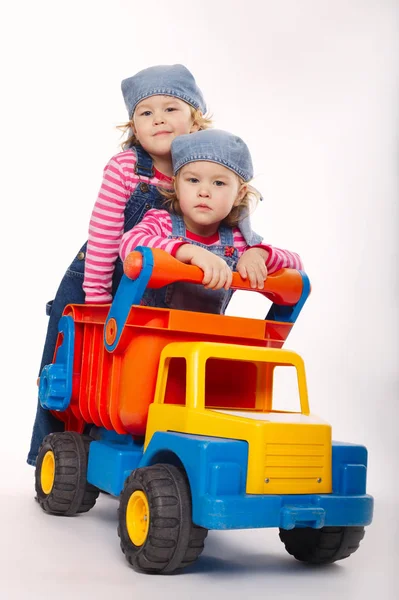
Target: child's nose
x,y
159,118
203,193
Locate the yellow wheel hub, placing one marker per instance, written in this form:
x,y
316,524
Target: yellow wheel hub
x,y
47,472
138,517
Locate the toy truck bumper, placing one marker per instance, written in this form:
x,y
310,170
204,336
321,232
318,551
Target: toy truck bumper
x,y
287,512
217,472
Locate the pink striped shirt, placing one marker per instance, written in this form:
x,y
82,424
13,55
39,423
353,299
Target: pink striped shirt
x,y
107,223
156,226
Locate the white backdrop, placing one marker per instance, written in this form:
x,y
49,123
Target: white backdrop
x,y
311,86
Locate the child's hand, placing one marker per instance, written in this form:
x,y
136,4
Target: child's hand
x,y
217,273
252,265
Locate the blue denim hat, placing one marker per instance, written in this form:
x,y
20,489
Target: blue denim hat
x,y
162,80
213,145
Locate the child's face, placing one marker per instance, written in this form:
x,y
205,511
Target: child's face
x,y
207,193
158,120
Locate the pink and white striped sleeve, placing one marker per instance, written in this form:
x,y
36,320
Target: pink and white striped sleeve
x,y
153,232
106,228
277,258
281,259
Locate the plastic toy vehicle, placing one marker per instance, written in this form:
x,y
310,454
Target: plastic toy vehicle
x,y
172,411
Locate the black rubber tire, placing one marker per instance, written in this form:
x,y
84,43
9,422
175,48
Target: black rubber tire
x,y
322,546
173,541
71,493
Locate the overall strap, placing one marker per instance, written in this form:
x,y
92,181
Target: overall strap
x,y
178,225
226,235
144,165
250,236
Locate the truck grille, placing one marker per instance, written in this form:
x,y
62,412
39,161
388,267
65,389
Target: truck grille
x,y
296,468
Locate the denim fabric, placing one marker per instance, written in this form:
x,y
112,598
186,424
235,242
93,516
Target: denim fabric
x,y
213,145
70,291
165,80
250,236
190,296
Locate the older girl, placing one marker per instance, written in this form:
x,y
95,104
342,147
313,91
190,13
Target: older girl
x,y
163,102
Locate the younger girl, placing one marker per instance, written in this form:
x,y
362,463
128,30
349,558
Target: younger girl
x,y
162,102
212,169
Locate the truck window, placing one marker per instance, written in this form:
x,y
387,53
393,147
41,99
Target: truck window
x,y
285,389
232,384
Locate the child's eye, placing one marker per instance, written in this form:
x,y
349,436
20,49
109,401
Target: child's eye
x,y
219,183
171,109
192,180
146,113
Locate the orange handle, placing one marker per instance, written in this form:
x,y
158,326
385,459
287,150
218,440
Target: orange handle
x,y
283,287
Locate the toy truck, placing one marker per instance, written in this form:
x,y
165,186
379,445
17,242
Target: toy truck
x,y
172,411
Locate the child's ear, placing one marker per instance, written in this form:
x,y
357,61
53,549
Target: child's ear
x,y
241,194
195,126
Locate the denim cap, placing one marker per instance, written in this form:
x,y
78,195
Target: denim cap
x,y
162,80
213,145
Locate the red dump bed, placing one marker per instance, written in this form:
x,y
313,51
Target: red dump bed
x,y
114,390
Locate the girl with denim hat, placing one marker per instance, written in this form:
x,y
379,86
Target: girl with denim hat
x,y
212,170
162,102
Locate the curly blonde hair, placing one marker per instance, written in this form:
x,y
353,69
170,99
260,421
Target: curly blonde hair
x,y
203,122
237,213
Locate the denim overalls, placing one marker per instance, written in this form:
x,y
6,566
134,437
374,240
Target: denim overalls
x,y
70,291
190,296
